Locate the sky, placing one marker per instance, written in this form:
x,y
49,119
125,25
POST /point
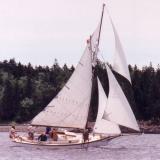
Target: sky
x,y
38,31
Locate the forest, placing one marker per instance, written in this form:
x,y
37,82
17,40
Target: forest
x,y
25,90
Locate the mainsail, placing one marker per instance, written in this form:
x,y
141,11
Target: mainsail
x,y
70,107
118,109
101,125
119,63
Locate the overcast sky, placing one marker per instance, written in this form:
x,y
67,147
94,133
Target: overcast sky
x,y
38,31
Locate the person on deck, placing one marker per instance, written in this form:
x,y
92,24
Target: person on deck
x,y
54,135
12,132
48,130
42,137
31,131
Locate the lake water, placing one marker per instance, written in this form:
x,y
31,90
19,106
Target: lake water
x,y
133,147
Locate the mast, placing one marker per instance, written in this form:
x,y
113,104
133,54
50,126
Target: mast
x,y
101,24
94,36
95,54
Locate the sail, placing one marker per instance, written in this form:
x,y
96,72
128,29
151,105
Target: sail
x,y
101,125
118,109
70,107
94,44
119,63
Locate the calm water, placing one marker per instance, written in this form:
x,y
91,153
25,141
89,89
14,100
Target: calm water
x,y
134,147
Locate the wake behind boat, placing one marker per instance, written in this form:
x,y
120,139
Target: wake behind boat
x,y
70,108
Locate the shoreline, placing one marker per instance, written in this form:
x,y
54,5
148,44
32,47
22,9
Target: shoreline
x,y
19,128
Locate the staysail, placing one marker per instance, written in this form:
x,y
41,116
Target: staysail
x,y
119,62
70,107
101,125
118,109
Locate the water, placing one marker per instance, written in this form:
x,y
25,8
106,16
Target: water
x,y
133,147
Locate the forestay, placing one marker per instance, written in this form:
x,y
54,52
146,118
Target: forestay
x,y
118,109
119,62
101,125
70,107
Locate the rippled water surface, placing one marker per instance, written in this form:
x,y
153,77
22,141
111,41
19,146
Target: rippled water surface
x,y
133,147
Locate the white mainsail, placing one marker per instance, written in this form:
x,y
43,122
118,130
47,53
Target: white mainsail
x,y
70,107
101,125
118,109
119,62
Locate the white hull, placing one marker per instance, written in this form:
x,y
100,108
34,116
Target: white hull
x,y
65,144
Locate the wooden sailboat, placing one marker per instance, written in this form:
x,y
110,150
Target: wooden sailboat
x,y
70,108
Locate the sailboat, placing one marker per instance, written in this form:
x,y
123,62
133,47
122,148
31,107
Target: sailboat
x,y
70,108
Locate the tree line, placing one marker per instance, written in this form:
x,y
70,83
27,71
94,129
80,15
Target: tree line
x,y
25,90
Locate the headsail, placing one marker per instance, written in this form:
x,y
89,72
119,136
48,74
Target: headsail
x,y
119,63
118,109
102,125
70,107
